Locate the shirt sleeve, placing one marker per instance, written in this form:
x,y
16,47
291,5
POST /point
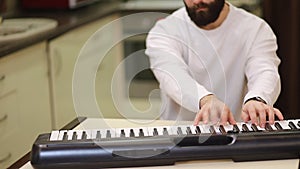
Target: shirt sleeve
x,y
262,67
175,79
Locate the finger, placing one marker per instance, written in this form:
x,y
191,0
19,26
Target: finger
x,y
253,116
245,116
231,119
198,117
227,116
214,116
224,118
271,113
262,118
278,114
205,116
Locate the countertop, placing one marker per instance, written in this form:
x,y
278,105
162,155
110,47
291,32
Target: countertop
x,y
70,19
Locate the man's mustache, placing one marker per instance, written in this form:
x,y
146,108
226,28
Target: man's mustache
x,y
201,5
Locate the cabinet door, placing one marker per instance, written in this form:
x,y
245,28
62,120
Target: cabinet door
x,y
64,51
24,101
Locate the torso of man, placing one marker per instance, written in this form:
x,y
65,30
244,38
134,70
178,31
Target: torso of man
x,y
215,59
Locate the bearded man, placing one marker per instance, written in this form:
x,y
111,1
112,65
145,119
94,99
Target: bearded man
x,y
215,63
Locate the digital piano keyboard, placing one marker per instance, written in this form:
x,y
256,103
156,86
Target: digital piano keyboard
x,y
165,145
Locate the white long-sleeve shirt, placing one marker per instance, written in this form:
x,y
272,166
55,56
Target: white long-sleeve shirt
x,y
235,61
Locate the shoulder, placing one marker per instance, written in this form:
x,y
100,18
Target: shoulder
x,y
242,16
244,20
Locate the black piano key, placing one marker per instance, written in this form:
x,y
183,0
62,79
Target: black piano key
x,y
292,126
212,130
131,133
222,129
84,135
155,132
165,132
235,129
298,123
98,135
198,131
245,128
141,133
122,134
74,136
268,127
65,136
254,128
179,131
189,131
278,126
108,134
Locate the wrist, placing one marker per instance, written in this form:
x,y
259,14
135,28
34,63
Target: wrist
x,y
259,99
205,99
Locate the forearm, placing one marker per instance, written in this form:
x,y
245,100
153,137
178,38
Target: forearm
x,y
180,86
266,85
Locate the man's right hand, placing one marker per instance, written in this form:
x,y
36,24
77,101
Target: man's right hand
x,y
213,110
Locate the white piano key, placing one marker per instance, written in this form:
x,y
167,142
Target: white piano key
x,y
70,134
94,133
295,123
153,129
145,130
185,128
205,128
200,127
182,128
54,135
137,131
260,128
228,127
284,124
160,130
172,130
193,129
125,130
103,132
248,124
273,126
61,134
88,134
217,129
112,132
240,126
254,127
79,134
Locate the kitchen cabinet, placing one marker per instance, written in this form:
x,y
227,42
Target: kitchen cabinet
x,y
24,101
63,53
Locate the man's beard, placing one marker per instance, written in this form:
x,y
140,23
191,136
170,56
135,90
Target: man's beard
x,y
203,18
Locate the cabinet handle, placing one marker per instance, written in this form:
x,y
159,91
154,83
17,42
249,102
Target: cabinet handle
x,y
2,119
2,77
5,158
